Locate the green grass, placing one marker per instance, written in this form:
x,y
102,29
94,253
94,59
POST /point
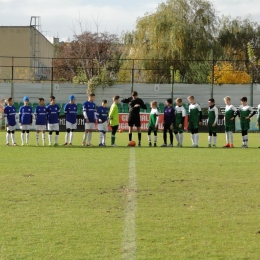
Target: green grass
x,y
69,202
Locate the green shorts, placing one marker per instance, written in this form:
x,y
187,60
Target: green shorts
x,y
193,125
152,129
230,128
245,126
178,129
212,129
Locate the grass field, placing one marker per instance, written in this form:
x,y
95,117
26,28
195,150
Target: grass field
x,y
130,203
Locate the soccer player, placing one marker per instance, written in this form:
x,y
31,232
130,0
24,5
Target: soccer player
x,y
135,104
102,116
114,119
195,119
25,119
153,123
41,120
229,119
70,110
10,122
179,121
89,113
53,111
245,113
212,122
168,122
258,119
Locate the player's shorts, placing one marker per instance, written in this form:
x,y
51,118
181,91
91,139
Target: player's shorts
x,y
25,127
152,129
212,129
230,128
103,127
89,126
11,128
134,121
40,127
178,129
258,120
53,127
193,125
70,125
245,126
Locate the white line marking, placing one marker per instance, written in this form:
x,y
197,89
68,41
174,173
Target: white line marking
x,y
129,243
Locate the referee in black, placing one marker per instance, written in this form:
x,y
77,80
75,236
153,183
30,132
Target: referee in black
x,y
135,104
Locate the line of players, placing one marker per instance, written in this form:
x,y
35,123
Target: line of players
x,y
173,120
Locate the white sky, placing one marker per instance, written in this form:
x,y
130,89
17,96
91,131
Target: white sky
x,y
59,17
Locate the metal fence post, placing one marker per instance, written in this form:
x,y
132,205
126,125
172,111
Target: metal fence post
x,y
212,76
52,77
12,81
133,77
172,80
252,89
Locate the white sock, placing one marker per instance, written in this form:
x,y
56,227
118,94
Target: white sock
x,y
196,139
56,139
227,137
85,137
177,137
214,140
66,137
89,137
27,137
192,139
155,139
246,136
181,138
209,139
243,140
100,137
231,137
22,138
37,138
7,138
50,137
43,138
71,136
149,138
13,138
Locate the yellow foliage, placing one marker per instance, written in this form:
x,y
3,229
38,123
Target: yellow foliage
x,y
225,73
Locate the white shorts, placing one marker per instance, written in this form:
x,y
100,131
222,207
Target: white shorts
x,y
70,125
90,126
102,127
53,127
25,127
40,127
11,128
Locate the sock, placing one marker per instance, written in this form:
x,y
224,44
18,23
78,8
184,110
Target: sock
x,y
227,137
56,139
100,137
149,138
13,138
112,139
71,137
196,138
37,138
7,138
209,139
155,139
89,137
214,140
243,140
181,138
130,137
85,137
27,137
231,137
22,138
177,137
104,138
246,139
139,137
43,138
66,137
50,137
192,139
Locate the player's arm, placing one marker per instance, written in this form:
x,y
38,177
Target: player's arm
x,y
98,114
6,119
112,112
20,116
200,113
66,109
58,112
252,112
183,116
173,118
142,104
126,100
236,111
216,116
85,114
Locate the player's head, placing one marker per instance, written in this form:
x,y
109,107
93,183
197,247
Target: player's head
x,y
211,102
52,100
153,104
134,94
243,100
72,99
91,97
41,101
168,102
116,99
9,101
178,101
191,99
26,100
104,103
227,100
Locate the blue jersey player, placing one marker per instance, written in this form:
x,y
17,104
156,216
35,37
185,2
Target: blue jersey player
x,y
10,122
53,111
70,110
25,119
102,116
40,120
89,113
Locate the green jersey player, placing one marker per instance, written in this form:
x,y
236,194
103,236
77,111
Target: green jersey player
x,y
230,115
153,123
258,119
212,122
245,113
195,119
179,121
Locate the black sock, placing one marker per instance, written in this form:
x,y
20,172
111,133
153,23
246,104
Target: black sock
x,y
139,137
130,137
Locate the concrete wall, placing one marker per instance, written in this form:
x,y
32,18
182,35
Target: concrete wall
x,y
146,91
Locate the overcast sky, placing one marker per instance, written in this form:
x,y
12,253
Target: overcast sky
x,y
60,17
